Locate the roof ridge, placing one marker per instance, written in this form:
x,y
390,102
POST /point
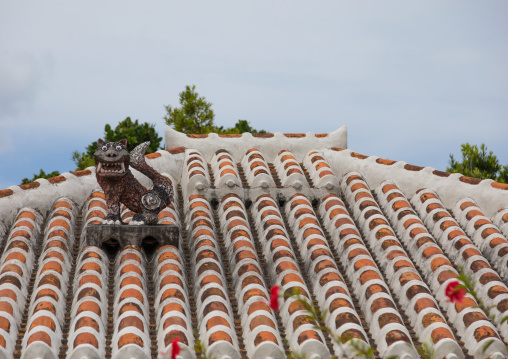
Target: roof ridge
x,y
409,167
268,143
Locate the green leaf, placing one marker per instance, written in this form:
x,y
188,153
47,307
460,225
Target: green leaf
x,y
487,345
41,174
478,163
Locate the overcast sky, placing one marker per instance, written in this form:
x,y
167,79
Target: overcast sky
x,y
412,80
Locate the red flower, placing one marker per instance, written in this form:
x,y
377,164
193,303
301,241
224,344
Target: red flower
x,y
455,292
274,297
175,348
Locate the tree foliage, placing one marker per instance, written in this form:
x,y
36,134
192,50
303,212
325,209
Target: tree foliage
x,y
478,163
195,116
41,174
134,132
241,126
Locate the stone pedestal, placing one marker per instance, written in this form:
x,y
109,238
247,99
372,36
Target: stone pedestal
x,y
133,235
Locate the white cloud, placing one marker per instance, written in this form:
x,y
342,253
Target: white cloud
x,y
20,81
394,69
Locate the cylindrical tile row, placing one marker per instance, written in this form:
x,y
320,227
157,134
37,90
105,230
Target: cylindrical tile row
x,y
283,271
47,308
289,171
331,291
256,170
403,278
169,215
216,327
384,321
172,307
131,336
459,248
89,312
261,337
433,264
16,267
484,234
224,170
319,171
195,175
94,212
126,214
500,219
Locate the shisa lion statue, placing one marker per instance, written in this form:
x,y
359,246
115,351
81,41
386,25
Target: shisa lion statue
x,y
112,161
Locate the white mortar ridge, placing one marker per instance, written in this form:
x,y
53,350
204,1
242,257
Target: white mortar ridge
x,y
269,146
450,189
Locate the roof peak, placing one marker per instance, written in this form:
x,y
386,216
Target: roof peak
x,y
269,143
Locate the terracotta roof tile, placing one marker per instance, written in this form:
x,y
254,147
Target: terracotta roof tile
x,y
335,225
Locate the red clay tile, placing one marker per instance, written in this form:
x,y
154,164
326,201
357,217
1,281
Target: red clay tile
x,y
470,180
56,179
357,155
30,185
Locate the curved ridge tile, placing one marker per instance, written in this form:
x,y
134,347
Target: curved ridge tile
x,y
131,321
289,170
125,214
256,170
484,234
195,175
500,219
375,299
16,266
462,251
94,212
214,311
331,291
404,280
169,215
172,307
319,171
89,311
224,170
284,271
437,269
47,307
261,336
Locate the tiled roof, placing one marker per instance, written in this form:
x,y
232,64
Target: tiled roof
x,y
373,243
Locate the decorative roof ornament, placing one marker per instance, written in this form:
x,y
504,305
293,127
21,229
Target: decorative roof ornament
x,y
112,161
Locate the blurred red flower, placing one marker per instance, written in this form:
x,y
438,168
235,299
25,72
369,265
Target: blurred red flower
x,y
274,297
175,348
455,292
